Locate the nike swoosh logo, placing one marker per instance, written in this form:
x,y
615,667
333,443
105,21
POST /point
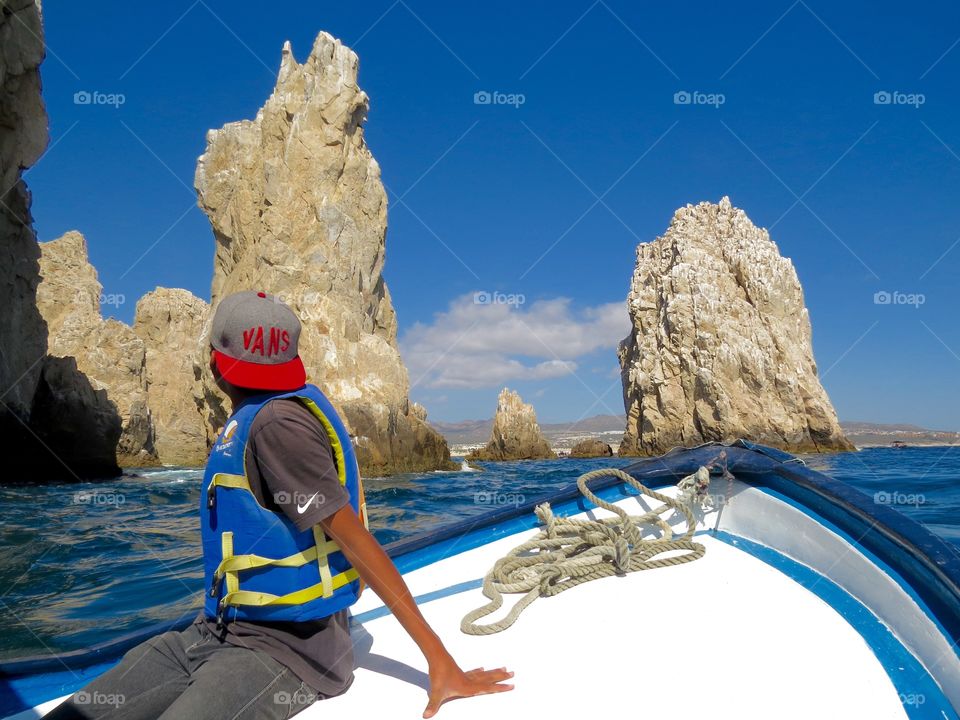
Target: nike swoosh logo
x,y
301,508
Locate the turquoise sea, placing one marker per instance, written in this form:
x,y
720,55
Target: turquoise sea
x,y
83,563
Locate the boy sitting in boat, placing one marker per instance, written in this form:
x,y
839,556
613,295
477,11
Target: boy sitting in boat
x,y
286,553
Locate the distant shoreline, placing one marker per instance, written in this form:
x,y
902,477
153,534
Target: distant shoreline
x,y
461,452
864,446
472,434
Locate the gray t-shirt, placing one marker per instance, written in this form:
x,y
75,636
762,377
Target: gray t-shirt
x,y
290,467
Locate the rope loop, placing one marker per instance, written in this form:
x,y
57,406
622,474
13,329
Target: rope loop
x,y
545,514
567,552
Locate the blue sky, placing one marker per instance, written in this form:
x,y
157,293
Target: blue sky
x,y
548,199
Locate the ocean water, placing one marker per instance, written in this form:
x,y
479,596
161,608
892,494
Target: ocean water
x,y
83,563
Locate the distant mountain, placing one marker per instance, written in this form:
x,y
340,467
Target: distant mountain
x,y
464,432
609,428
856,426
596,423
865,434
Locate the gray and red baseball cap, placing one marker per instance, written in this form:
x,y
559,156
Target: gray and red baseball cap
x,y
254,338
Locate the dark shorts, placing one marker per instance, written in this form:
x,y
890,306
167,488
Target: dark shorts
x,y
190,674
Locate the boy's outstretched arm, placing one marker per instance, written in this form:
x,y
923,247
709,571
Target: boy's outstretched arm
x,y
447,680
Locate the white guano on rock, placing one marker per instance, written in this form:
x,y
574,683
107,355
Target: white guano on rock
x,y
721,344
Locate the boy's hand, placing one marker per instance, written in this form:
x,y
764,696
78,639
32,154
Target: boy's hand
x,y
448,682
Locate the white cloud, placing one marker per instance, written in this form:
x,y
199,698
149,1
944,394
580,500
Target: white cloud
x,y
474,345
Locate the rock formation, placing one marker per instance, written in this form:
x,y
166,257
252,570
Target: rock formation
x,y
107,352
516,434
591,448
298,210
170,322
23,138
110,395
721,342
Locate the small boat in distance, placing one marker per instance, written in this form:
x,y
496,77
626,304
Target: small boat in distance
x,y
898,444
812,600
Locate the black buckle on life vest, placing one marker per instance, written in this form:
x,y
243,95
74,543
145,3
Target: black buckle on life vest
x,y
211,496
221,609
215,585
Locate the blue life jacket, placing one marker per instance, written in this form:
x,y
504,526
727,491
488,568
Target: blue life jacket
x,y
257,566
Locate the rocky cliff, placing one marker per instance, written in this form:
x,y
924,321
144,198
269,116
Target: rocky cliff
x,y
23,138
108,354
721,342
298,210
516,434
170,322
110,395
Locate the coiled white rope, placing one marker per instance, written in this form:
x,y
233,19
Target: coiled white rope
x,y
569,552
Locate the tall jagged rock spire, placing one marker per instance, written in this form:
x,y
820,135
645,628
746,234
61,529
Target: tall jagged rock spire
x,y
721,343
516,434
298,210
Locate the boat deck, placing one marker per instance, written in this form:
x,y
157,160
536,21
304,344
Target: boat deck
x,y
744,632
724,636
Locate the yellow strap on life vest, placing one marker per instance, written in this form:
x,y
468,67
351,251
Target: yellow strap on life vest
x,y
226,548
300,597
236,563
323,562
335,445
338,455
232,481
